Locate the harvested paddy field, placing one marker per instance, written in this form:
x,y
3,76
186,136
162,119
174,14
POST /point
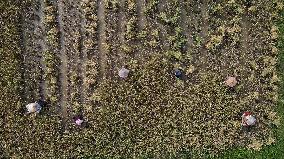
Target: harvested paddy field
x,y
69,52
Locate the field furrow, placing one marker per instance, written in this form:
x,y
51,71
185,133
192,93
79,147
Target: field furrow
x,y
31,58
63,80
43,48
162,28
112,36
204,31
121,33
102,45
191,32
141,14
246,47
204,15
83,56
72,26
185,25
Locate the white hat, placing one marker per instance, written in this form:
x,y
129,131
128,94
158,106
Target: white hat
x,y
250,120
231,81
33,107
123,73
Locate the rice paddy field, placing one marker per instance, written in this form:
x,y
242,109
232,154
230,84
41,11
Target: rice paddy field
x,y
69,52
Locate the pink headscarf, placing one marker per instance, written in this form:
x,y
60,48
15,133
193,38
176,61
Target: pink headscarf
x,y
79,122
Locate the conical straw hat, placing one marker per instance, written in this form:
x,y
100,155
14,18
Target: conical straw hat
x,y
250,120
123,73
231,81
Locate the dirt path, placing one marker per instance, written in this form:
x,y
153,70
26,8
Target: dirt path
x,y
194,27
63,65
245,34
204,15
185,25
72,28
51,56
43,48
143,25
31,60
141,15
102,40
204,32
113,38
121,31
83,57
163,31
245,51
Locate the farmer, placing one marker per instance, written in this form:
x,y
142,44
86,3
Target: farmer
x,y
177,73
78,119
35,107
248,120
123,73
231,81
